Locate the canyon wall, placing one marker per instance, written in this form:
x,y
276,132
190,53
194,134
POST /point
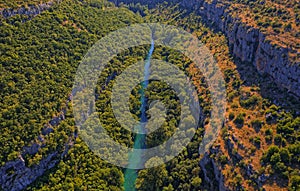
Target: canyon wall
x,y
212,175
246,43
250,45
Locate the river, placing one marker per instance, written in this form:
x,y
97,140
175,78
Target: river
x,y
130,175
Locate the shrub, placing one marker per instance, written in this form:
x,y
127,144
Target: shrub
x,y
276,25
224,132
280,167
276,30
232,95
294,182
268,138
256,17
288,27
267,156
269,132
239,120
265,24
252,149
278,139
256,124
275,158
270,10
250,102
234,105
223,159
256,141
236,84
231,116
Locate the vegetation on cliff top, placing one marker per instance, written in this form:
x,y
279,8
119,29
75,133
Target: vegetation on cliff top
x,y
280,20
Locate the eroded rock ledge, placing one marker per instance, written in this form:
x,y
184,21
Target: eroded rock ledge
x,y
31,10
250,45
17,175
216,173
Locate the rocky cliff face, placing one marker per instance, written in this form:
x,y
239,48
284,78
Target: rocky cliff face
x,y
250,45
247,43
211,177
16,175
30,11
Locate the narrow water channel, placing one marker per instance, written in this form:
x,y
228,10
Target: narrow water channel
x,y
130,175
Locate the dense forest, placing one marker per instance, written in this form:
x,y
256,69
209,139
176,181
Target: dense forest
x,y
38,63
258,147
280,19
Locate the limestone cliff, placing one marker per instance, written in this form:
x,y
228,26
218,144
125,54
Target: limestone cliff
x,y
213,174
250,45
17,175
31,10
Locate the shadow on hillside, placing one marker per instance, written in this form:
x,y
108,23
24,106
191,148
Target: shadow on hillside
x,y
279,181
268,89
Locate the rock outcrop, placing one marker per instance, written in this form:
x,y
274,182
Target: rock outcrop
x,y
16,175
247,43
251,45
30,11
211,177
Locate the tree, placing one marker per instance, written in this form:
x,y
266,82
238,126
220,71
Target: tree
x,y
294,183
152,178
169,188
285,155
239,120
196,182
